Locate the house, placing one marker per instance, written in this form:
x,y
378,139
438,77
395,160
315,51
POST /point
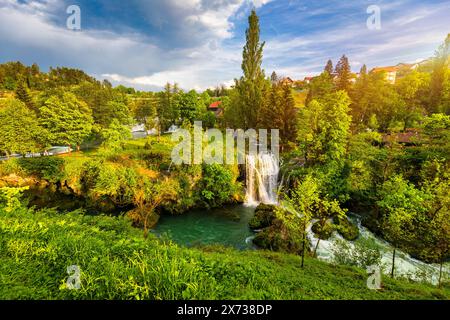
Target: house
x,y
216,108
390,73
308,79
287,81
410,137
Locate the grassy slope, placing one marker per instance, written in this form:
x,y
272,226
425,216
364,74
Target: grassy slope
x,y
117,263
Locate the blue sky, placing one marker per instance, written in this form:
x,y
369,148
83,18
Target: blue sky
x,y
198,43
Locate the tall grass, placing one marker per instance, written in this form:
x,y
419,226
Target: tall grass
x,y
36,247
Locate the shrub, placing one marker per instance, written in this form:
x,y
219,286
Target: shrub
x,y
47,168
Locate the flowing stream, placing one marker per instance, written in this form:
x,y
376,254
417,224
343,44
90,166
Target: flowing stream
x,y
229,225
405,265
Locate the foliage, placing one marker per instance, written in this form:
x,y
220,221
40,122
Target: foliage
x,y
20,130
251,87
36,247
343,73
362,253
47,168
115,135
68,120
10,198
217,185
323,129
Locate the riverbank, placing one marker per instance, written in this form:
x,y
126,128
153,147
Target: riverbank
x,y
117,263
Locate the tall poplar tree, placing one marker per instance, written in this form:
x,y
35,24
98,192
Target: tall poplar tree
x,y
252,84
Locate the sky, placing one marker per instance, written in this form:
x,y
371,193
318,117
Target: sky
x,y
198,43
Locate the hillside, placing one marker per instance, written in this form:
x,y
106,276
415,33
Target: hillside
x,y
117,263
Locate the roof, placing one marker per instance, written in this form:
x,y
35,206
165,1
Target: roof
x,y
215,105
410,136
287,79
385,69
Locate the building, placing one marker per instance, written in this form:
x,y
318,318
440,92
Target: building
x,y
216,107
287,81
308,79
390,73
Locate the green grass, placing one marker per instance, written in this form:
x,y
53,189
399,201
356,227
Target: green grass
x,y
36,247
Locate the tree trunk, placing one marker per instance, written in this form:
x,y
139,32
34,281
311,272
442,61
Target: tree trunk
x,y
315,249
393,262
78,148
303,249
145,228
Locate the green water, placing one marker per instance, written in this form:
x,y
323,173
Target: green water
x,y
226,226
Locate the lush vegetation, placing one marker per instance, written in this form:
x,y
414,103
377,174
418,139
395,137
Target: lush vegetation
x,y
118,263
350,142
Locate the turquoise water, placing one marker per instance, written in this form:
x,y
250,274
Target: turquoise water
x,y
226,226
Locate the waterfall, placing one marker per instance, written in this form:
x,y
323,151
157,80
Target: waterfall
x,y
262,178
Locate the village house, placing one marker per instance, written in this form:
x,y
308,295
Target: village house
x,y
216,107
390,73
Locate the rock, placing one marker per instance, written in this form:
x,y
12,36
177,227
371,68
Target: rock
x,y
273,233
264,216
278,238
325,234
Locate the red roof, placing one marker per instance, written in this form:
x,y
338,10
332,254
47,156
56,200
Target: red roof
x,y
215,104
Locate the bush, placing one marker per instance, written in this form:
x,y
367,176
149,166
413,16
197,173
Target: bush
x,y
217,186
346,228
362,253
47,168
10,166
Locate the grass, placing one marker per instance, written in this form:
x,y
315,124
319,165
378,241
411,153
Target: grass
x,y
36,247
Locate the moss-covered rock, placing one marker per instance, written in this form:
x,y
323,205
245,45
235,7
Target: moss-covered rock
x,y
278,238
346,228
264,216
326,231
273,234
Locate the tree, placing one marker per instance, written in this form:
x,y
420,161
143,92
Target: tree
x,y
145,112
167,109
440,76
375,96
274,78
288,132
23,95
115,135
363,71
323,128
271,112
147,196
20,130
251,86
329,67
319,87
402,204
326,209
343,74
68,120
303,201
413,89
190,107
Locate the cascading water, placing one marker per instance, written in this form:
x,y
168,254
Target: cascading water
x,y
405,265
262,178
